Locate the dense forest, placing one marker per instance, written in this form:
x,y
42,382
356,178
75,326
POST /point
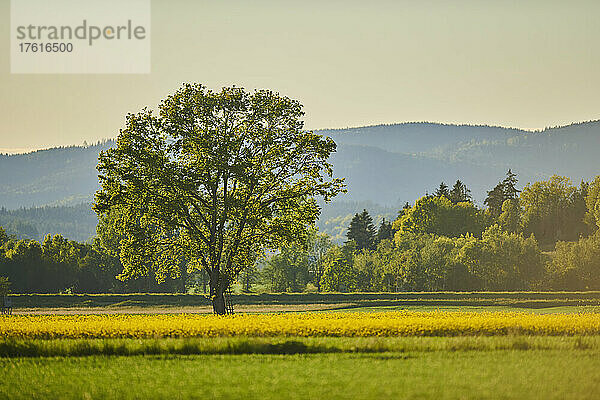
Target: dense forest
x,y
392,164
59,265
545,237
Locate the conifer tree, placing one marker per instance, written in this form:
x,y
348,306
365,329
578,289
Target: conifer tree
x,y
509,186
442,191
385,231
460,193
362,231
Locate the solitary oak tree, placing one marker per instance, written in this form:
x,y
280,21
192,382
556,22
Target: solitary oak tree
x,y
211,181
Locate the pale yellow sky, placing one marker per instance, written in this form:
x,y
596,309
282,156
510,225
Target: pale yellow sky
x,y
526,64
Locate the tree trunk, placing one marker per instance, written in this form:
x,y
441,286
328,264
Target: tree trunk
x,y
218,303
217,290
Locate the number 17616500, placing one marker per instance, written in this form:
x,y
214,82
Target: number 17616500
x,y
35,47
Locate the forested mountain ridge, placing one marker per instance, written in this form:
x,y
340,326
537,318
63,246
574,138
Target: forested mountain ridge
x,y
450,142
384,166
419,137
77,222
389,178
56,176
402,161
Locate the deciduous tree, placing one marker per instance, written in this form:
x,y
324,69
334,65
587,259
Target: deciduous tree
x,y
439,216
553,210
213,178
592,201
494,200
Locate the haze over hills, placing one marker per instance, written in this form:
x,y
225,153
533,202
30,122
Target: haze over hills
x,y
384,166
417,156
56,176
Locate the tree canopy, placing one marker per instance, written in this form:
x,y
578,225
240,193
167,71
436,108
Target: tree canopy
x,y
554,210
592,201
509,186
504,190
442,191
495,199
439,216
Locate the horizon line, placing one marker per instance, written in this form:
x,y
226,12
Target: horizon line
x,y
13,151
479,125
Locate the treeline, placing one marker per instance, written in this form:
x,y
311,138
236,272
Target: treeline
x,y
61,265
543,237
445,242
383,261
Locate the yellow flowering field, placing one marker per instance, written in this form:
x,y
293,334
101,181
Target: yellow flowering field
x,y
409,323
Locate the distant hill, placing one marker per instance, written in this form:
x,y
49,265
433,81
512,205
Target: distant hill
x,y
388,178
390,164
384,166
419,137
57,176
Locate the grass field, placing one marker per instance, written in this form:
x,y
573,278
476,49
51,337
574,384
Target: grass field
x,y
352,346
501,374
16,348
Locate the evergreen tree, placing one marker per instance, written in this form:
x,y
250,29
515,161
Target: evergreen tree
x,y
442,191
509,186
362,231
385,231
460,193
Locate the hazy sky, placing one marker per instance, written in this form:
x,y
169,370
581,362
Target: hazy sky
x,y
527,64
